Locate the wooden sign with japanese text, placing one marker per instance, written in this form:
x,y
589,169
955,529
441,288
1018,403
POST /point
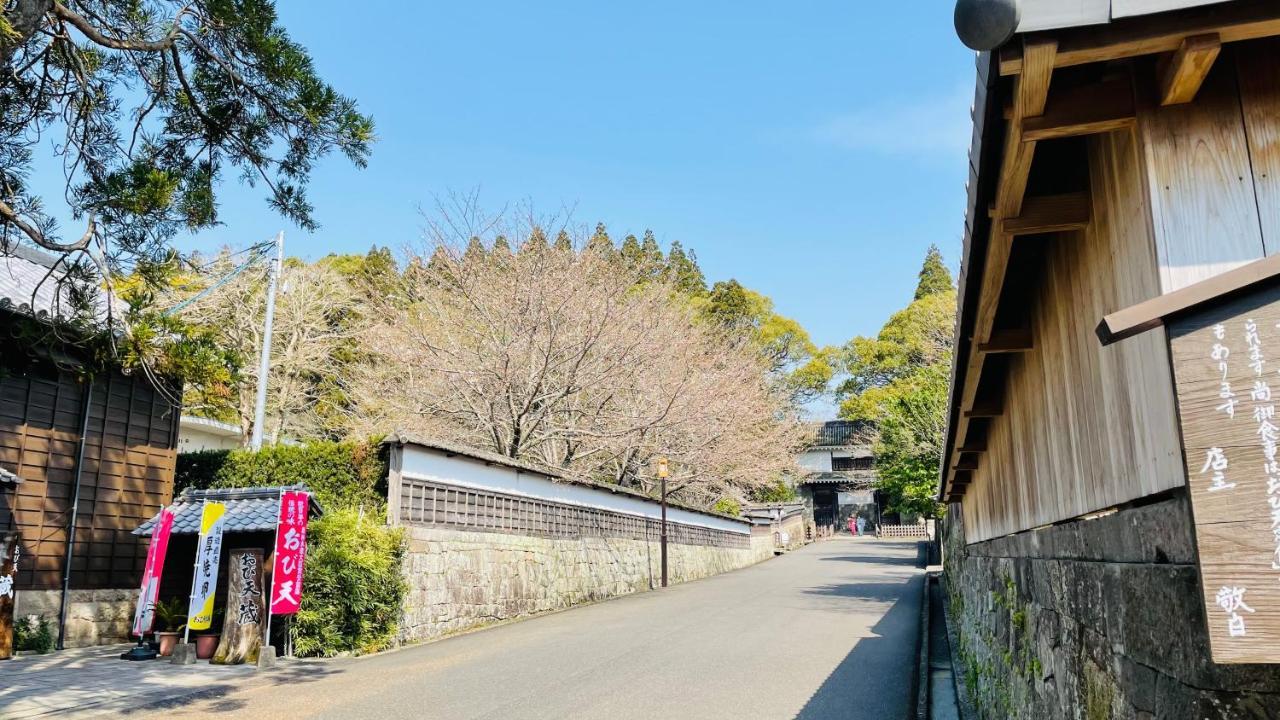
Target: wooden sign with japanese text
x,y
1226,366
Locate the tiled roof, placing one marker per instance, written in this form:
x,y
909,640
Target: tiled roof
x,y
841,433
855,478
490,458
248,509
31,283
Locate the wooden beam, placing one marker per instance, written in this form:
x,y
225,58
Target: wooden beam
x,y
973,446
1153,34
1186,70
1152,313
1051,213
1030,95
1085,110
987,408
1014,340
967,461
1031,92
1033,87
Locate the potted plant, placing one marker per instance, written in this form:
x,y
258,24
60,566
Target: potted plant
x,y
172,617
207,642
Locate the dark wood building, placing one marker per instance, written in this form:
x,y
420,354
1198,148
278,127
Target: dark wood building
x,y
95,450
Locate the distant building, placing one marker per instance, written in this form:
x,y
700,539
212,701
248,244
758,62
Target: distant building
x,y
197,433
842,477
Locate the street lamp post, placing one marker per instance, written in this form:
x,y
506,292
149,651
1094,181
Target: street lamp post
x,y
662,475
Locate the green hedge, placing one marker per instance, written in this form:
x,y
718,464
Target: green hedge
x,y
342,475
353,587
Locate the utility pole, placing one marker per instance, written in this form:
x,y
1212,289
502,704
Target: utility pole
x,y
662,475
264,362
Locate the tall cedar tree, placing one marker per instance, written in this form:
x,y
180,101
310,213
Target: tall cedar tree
x,y
898,380
934,276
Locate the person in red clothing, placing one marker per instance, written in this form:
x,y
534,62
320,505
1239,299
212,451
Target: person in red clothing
x,y
853,525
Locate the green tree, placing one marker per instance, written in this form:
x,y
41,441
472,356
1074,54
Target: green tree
x,y
898,380
563,242
475,251
601,243
682,270
934,276
629,253
147,106
536,242
650,254
802,368
501,247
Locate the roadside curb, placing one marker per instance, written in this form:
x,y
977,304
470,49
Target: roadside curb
x,y
922,657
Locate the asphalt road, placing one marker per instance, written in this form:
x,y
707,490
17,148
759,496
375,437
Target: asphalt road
x,y
828,631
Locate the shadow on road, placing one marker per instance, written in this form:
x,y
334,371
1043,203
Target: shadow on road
x,y
882,591
876,560
216,695
876,679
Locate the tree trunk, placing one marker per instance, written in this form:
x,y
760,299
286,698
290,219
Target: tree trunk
x,y
245,618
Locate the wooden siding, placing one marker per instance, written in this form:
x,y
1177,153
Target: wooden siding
x,y
1084,427
1191,192
1203,206
1214,168
128,472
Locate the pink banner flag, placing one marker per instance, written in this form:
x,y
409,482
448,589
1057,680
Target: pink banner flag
x,y
145,614
291,553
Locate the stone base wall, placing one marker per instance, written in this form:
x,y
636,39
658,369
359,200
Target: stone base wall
x,y
94,617
460,580
1094,619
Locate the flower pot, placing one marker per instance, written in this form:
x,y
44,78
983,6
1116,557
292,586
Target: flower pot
x,y
166,641
205,646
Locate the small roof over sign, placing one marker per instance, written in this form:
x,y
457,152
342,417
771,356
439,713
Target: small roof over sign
x,y
248,509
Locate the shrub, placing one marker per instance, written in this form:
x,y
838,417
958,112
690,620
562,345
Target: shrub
x,y
341,474
353,587
728,506
33,632
776,492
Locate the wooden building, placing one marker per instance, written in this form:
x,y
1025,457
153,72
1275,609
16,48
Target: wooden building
x,y
840,479
95,450
1122,150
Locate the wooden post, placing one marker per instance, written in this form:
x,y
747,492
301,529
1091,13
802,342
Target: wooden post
x,y
9,544
245,616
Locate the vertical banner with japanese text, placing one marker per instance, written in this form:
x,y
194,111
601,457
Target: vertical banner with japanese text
x,y
144,614
208,552
290,553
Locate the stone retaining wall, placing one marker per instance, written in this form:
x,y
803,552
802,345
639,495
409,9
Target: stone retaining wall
x,y
460,579
1095,619
94,617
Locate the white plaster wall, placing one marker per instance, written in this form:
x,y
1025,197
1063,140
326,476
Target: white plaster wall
x,y
194,440
816,460
434,465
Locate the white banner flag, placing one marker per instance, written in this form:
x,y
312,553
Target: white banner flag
x,y
208,552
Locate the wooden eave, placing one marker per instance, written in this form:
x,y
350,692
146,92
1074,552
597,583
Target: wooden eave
x,y
1036,111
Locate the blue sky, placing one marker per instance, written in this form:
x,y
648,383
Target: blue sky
x,y
812,150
